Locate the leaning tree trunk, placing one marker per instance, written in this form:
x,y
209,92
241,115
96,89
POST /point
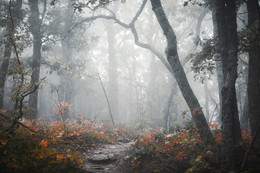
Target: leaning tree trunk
x,y
16,13
254,68
228,48
179,74
35,28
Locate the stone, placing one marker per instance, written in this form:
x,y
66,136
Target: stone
x,y
101,159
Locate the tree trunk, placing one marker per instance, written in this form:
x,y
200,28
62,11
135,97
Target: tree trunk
x,y
67,90
166,111
228,48
35,28
244,121
16,17
152,94
254,68
206,91
4,69
179,74
112,71
218,66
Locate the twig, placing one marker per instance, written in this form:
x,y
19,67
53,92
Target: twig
x,y
109,107
44,10
15,121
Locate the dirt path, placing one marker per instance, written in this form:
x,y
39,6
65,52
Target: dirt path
x,y
107,158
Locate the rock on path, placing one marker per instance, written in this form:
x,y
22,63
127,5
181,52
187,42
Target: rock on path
x,y
107,158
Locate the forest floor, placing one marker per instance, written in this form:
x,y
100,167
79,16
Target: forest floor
x,y
108,157
63,146
94,147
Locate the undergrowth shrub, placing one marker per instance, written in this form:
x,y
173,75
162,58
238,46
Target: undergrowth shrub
x,y
41,146
180,150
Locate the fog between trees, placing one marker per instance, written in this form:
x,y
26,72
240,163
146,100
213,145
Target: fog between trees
x,y
127,62
136,81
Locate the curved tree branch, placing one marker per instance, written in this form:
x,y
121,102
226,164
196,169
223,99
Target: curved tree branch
x,y
139,12
130,26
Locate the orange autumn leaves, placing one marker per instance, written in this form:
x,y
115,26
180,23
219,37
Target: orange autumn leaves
x,y
181,145
51,146
156,144
148,139
135,163
44,143
63,111
61,157
63,108
52,142
213,126
180,155
196,111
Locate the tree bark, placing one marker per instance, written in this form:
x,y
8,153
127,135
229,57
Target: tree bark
x,y
4,69
244,121
228,48
179,74
254,68
218,63
35,28
16,17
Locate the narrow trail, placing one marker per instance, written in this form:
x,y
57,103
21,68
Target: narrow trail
x,y
107,158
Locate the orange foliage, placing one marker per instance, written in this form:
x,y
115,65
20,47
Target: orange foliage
x,y
3,142
180,155
63,110
246,135
44,143
218,137
2,111
213,126
52,141
195,111
60,157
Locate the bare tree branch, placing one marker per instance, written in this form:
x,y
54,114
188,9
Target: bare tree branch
x,y
130,26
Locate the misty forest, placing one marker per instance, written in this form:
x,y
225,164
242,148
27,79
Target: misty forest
x,y
124,86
